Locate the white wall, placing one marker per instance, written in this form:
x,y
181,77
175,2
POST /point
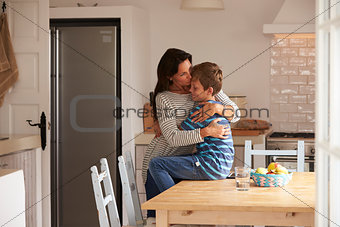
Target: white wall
x,y
230,38
296,12
135,56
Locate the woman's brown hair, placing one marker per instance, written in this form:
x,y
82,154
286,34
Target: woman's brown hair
x,y
167,67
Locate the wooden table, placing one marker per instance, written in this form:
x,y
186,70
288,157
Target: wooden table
x,y
218,203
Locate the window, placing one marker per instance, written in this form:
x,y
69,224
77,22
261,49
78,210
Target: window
x,y
328,113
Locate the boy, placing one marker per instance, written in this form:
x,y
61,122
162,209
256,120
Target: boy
x,y
214,156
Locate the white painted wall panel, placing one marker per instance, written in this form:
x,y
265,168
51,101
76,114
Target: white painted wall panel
x,y
28,81
20,113
25,20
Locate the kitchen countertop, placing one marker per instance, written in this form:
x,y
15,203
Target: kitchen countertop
x,y
256,139
18,142
4,172
145,138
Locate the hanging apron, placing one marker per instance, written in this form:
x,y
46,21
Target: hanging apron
x,y
8,66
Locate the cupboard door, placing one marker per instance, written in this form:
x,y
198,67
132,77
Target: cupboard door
x,y
25,160
140,152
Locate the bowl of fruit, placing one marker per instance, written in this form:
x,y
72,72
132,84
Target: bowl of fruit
x,y
274,176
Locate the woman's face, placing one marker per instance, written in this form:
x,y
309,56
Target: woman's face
x,y
183,76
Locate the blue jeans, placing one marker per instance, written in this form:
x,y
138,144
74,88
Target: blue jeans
x,y
164,169
152,190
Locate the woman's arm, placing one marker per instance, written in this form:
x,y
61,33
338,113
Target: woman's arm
x,y
228,109
213,130
225,100
166,114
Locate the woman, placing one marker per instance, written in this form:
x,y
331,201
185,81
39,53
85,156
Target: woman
x,y
171,104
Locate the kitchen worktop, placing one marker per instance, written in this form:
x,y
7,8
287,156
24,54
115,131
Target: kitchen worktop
x,y
18,142
145,138
4,172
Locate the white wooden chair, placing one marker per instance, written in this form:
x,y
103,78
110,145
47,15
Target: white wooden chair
x,y
106,198
130,193
248,152
300,152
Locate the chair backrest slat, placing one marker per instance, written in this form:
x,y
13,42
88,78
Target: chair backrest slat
x,y
105,200
130,193
248,152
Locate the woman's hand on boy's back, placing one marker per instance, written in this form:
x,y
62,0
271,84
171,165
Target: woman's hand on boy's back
x,y
216,130
209,109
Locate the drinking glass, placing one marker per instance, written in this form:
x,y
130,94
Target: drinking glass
x,y
242,178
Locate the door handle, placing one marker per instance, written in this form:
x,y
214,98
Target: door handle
x,y
42,126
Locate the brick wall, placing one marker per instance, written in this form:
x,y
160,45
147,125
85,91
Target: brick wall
x,y
292,83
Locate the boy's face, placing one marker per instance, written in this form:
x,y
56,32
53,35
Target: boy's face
x,y
197,91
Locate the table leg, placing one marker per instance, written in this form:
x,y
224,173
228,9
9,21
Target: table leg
x,y
162,218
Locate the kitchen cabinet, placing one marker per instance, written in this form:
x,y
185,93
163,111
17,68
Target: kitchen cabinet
x,y
25,161
139,155
23,152
12,198
141,143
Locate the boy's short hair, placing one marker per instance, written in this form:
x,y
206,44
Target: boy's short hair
x,y
209,74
